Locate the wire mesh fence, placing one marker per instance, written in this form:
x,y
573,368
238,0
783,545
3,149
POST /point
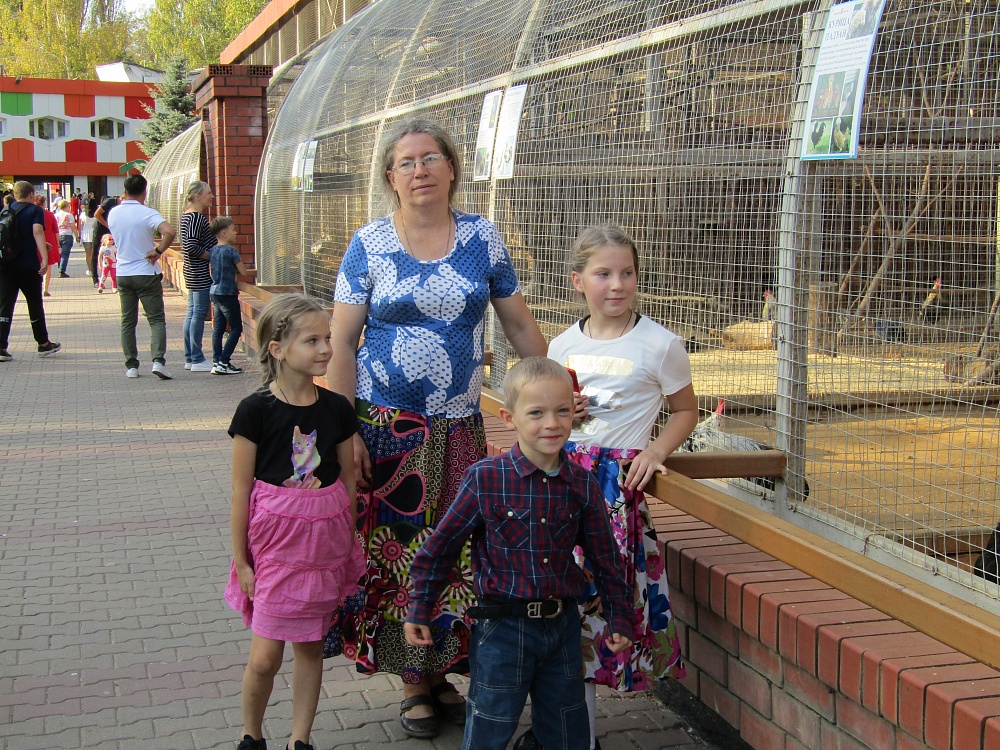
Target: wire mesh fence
x,y
174,167
845,311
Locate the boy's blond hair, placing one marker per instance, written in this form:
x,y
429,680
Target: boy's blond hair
x,y
528,370
220,224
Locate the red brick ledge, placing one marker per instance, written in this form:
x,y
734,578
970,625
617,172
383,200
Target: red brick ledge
x,y
794,663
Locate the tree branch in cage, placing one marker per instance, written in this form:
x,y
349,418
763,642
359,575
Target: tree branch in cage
x,y
922,206
848,277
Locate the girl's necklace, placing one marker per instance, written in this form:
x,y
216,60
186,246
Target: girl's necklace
x,y
409,247
287,401
590,327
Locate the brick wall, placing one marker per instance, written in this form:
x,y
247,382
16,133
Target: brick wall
x,y
794,663
233,104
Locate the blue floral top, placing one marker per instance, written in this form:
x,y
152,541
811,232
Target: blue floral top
x,y
424,333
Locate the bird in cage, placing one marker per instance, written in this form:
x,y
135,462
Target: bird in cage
x,y
770,309
930,308
892,334
709,437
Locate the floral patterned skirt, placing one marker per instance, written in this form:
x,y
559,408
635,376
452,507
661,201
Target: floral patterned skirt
x,y
417,464
655,652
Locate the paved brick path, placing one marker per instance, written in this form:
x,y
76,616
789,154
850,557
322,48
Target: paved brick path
x,y
114,548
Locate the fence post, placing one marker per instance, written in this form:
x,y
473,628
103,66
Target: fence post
x,y
799,212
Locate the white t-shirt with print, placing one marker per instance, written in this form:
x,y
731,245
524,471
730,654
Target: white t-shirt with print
x,y
625,379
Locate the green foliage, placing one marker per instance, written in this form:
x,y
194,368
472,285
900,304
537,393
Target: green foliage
x,y
69,38
174,107
197,29
62,38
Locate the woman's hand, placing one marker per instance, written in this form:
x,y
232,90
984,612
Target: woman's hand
x,y
642,469
244,574
580,404
362,463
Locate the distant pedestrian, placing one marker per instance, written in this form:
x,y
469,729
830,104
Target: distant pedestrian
x,y
197,242
51,243
226,263
139,277
108,263
66,222
75,204
86,230
101,214
25,273
295,552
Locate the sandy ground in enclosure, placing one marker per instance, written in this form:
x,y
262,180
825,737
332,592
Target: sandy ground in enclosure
x,y
930,459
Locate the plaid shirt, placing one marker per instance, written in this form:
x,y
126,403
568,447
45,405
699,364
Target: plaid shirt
x,y
524,525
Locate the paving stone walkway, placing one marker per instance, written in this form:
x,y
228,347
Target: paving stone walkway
x,y
114,548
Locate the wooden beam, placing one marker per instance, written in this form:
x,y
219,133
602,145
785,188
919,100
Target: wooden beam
x,y
944,617
708,465
723,465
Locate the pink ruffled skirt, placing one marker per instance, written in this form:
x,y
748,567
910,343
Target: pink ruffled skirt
x,y
306,559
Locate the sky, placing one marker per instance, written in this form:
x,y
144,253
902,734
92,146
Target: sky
x,y
137,6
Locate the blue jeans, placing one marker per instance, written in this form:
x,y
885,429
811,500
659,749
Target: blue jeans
x,y
227,310
194,325
513,657
65,247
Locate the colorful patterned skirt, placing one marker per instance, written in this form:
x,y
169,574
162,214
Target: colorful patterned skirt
x,y
417,464
656,651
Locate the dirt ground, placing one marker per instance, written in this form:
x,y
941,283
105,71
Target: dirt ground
x,y
891,444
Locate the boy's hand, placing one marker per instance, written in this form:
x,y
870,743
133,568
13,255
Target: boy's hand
x,y
617,643
244,574
418,635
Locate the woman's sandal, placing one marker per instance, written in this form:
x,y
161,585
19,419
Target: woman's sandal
x,y
453,712
423,729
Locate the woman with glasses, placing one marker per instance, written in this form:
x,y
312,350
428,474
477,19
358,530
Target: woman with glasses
x,y
417,284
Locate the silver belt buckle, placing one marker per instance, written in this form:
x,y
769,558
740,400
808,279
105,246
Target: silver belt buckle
x,y
534,609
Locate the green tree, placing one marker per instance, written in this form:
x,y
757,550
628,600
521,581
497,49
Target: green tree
x,y
197,29
63,38
174,107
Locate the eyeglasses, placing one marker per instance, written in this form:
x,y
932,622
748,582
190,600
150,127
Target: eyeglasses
x,y
408,166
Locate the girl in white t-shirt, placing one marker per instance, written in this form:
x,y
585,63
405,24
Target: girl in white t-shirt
x,y
625,364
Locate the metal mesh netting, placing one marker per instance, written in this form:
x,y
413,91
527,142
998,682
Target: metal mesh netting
x,y
683,123
171,170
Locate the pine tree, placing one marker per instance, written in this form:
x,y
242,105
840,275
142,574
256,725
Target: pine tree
x,y
174,107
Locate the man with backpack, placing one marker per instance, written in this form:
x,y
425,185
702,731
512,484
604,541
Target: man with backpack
x,y
23,260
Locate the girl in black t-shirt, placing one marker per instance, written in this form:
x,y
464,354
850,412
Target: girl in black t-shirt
x,y
295,553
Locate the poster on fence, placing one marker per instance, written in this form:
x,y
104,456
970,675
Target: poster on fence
x,y
838,86
507,128
488,120
303,165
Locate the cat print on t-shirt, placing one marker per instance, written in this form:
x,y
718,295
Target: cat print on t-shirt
x,y
305,461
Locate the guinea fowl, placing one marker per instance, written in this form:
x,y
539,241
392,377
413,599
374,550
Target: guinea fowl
x,y
892,333
708,436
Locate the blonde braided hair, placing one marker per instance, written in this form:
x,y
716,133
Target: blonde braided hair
x,y
277,322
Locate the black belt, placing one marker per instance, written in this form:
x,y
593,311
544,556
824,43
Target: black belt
x,y
535,610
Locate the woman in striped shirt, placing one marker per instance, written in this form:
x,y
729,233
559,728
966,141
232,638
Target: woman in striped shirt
x,y
197,242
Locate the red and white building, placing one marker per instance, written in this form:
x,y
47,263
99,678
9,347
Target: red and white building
x,y
70,133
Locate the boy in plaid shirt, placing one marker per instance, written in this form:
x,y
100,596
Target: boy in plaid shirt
x,y
525,511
